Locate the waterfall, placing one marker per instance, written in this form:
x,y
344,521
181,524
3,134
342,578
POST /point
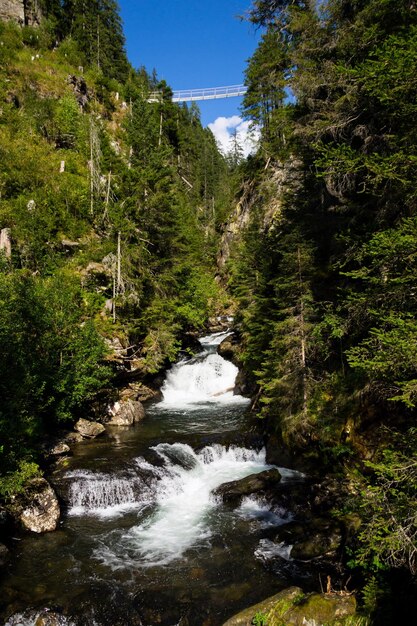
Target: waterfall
x,y
205,379
106,495
184,499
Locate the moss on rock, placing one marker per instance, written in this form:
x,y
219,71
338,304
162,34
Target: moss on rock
x,y
293,607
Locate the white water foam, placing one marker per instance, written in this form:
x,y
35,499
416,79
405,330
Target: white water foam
x,y
32,618
268,550
257,509
184,500
214,339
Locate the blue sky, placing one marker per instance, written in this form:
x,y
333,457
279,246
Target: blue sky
x,y
192,44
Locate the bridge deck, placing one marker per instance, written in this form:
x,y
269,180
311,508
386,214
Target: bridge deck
x,y
209,93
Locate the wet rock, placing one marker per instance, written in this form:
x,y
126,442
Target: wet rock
x,y
139,391
73,438
315,539
293,607
59,449
45,617
219,324
244,384
233,491
228,349
4,555
126,412
41,510
89,430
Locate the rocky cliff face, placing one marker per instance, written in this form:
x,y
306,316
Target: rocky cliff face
x,y
24,12
280,180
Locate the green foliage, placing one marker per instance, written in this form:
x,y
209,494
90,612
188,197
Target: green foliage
x,y
15,482
108,205
341,135
50,362
260,619
388,508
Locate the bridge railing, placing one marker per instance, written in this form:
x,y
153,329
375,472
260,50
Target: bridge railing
x,y
209,93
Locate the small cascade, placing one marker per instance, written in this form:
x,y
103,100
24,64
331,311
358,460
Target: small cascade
x,y
105,495
206,378
184,500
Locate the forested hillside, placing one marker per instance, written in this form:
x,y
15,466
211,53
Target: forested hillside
x,y
326,271
109,213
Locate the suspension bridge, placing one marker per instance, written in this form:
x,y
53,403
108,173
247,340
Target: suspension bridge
x,y
208,93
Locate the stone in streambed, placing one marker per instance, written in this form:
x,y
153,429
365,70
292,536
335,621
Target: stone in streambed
x,y
59,449
88,429
293,607
126,413
233,491
41,510
312,539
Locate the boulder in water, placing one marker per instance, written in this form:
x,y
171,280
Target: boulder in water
x,y
233,491
126,413
59,449
41,511
293,607
88,429
322,537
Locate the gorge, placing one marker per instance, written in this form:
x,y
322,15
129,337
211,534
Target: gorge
x,y
125,234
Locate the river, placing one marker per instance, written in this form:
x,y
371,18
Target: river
x,y
143,539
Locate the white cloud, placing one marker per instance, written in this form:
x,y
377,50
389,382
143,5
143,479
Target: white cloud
x,y
247,133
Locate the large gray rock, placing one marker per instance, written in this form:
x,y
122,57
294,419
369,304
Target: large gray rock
x,y
232,492
24,12
126,412
41,511
293,607
88,429
12,10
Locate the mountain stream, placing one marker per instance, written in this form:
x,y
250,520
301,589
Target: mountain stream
x,y
143,539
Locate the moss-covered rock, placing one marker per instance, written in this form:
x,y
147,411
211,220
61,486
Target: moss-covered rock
x,y
293,607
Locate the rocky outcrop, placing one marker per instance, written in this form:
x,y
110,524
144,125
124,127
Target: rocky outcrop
x,y
236,224
89,430
24,12
80,89
126,412
279,180
293,607
12,10
233,491
40,511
